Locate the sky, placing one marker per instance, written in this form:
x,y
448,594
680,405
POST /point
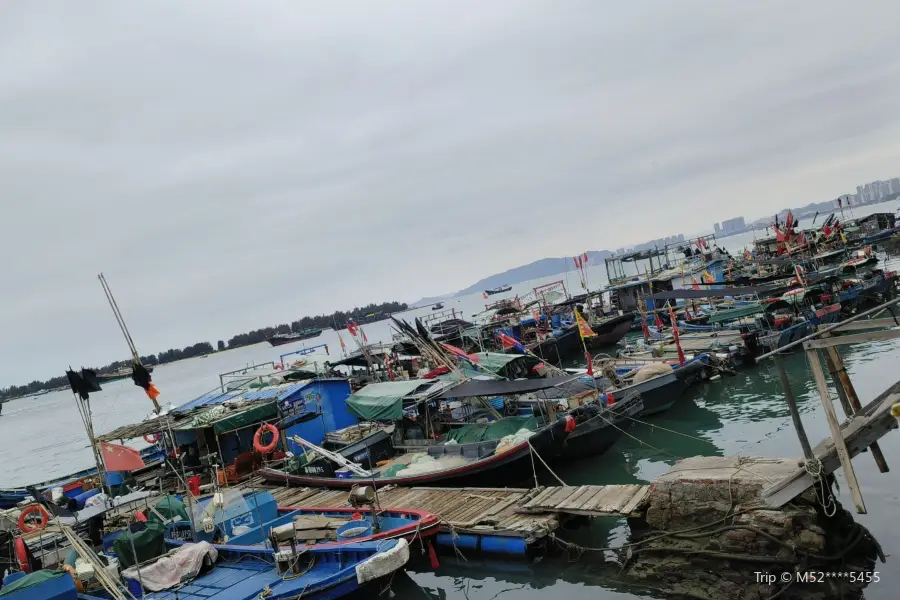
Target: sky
x,y
231,165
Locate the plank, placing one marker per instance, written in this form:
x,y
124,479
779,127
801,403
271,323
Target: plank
x,y
561,494
591,499
854,338
621,495
864,324
599,499
836,434
537,500
574,498
636,500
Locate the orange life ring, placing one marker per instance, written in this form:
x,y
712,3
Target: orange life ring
x,y
151,438
22,555
26,527
257,444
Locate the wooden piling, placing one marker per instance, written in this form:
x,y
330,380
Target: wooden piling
x,y
837,435
848,396
792,406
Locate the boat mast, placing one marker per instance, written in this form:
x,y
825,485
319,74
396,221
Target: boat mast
x,y
124,328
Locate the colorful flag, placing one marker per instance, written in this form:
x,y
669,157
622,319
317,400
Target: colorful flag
x,y
584,330
120,458
694,283
460,353
351,327
675,333
510,342
341,340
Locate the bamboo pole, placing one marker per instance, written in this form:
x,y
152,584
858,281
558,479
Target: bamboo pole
x,y
837,435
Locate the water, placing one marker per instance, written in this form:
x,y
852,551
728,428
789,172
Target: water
x,y
744,415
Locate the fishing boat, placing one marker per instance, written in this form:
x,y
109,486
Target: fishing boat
x,y
279,339
609,331
117,374
498,290
420,410
203,572
438,306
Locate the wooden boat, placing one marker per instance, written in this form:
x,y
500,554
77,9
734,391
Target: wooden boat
x,y
498,290
609,331
485,464
280,339
117,375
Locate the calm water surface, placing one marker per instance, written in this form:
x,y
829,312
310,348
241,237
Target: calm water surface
x,y
742,415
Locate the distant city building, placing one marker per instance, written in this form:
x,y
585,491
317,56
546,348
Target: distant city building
x,y
717,229
733,225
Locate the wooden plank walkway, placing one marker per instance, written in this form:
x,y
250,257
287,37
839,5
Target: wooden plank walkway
x,y
490,511
589,500
508,512
859,432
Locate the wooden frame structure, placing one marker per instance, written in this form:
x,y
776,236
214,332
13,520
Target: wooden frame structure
x,y
865,425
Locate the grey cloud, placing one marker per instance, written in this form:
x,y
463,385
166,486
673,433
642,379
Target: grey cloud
x,y
232,165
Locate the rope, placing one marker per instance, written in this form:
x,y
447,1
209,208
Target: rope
x,y
814,467
533,454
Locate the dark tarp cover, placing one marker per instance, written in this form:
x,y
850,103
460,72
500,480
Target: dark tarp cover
x,y
249,416
33,579
481,432
149,543
503,387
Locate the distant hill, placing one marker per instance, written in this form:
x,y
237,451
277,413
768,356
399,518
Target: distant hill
x,y
535,270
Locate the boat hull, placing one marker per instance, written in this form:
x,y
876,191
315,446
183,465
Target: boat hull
x,y
276,341
610,332
508,468
598,434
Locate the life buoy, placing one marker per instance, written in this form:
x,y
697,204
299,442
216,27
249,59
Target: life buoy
x,y
21,551
34,509
257,437
570,424
151,438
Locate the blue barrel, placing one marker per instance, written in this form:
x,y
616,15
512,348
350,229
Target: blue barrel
x,y
81,498
556,320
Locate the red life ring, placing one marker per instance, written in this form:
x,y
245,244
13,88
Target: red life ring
x,y
257,443
21,551
151,438
37,509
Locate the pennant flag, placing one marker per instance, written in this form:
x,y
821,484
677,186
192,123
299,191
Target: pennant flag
x,y
120,458
675,333
708,277
341,340
510,342
363,333
746,254
659,323
644,328
590,363
584,330
352,328
485,295
694,283
575,260
586,258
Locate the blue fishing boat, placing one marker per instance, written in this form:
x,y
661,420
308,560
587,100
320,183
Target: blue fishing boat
x,y
235,574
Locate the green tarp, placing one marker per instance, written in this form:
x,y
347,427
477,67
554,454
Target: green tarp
x,y
170,508
495,361
382,401
148,544
735,313
33,579
481,432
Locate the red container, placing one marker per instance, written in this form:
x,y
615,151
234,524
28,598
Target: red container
x,y
193,483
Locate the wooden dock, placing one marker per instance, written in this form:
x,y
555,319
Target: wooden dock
x,y
528,514
860,431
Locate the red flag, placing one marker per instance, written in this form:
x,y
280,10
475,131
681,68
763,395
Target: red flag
x,y
365,339
586,258
460,353
120,458
659,323
590,363
675,333
644,327
485,294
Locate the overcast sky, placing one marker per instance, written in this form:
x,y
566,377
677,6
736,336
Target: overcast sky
x,y
230,165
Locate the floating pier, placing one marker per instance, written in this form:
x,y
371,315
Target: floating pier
x,y
501,520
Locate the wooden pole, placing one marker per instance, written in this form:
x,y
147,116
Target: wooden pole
x,y
849,398
837,435
792,406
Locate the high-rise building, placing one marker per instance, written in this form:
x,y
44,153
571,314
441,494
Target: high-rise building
x,y
717,229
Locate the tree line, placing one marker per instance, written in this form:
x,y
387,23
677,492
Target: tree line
x,y
338,319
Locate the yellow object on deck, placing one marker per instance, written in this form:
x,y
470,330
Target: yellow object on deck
x,y
895,410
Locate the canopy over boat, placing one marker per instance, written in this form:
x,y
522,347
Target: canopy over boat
x,y
384,401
